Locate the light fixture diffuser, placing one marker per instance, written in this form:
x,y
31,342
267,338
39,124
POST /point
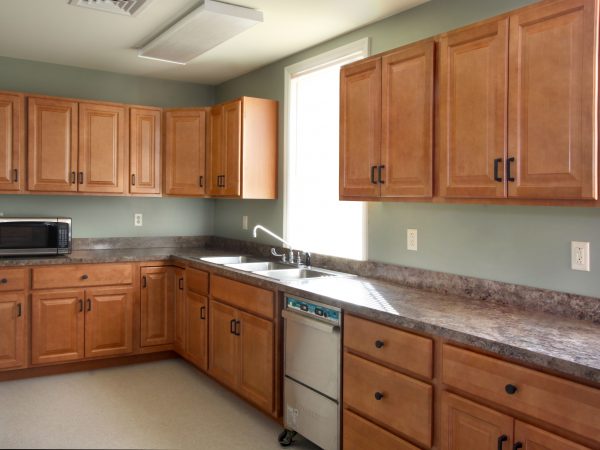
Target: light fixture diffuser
x,y
205,27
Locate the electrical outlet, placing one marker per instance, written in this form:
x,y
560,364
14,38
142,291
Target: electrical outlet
x,y
411,239
580,256
244,222
138,219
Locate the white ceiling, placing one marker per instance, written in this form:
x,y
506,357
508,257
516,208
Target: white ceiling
x,y
53,31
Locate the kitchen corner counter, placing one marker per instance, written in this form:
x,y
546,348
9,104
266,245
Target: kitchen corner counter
x,y
563,345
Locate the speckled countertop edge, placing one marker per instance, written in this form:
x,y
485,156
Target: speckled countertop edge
x,y
563,345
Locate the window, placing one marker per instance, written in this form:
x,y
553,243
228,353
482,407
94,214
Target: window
x,y
315,219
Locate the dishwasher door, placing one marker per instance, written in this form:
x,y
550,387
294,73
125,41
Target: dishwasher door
x,y
312,353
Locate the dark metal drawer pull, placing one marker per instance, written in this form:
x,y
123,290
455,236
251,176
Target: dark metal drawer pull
x,y
378,395
84,276
4,281
501,440
379,343
510,389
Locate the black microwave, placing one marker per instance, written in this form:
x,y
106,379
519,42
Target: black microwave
x,y
30,236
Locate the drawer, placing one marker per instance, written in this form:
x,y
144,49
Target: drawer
x,y
12,279
405,405
197,281
360,434
389,345
244,296
566,404
81,275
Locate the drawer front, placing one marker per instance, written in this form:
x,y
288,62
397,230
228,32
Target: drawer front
x,y
360,434
12,279
81,275
197,281
557,401
405,405
241,295
389,345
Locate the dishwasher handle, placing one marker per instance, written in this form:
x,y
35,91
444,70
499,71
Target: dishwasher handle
x,y
326,327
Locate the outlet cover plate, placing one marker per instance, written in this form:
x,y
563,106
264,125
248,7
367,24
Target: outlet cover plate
x,y
138,219
411,239
580,256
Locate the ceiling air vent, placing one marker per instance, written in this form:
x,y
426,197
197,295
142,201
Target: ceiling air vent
x,y
123,7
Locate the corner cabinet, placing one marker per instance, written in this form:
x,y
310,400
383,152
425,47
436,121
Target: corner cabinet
x,y
386,125
242,149
184,153
12,142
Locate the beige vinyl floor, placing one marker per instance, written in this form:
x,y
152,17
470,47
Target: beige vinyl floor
x,y
159,405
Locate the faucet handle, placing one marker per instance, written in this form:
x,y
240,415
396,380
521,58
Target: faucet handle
x,y
282,256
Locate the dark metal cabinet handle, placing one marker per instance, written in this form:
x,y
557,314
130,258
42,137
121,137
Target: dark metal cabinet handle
x,y
133,179
4,281
378,395
517,446
200,180
509,177
181,284
16,178
501,440
80,305
232,326
379,170
222,180
80,178
379,343
19,310
73,177
84,276
497,177
373,168
510,389
238,328
89,302
203,313
144,283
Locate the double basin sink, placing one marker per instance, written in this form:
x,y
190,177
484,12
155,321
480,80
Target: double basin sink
x,y
277,270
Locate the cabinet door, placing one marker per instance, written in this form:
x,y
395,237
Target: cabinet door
x,y
108,322
257,350
223,354
472,111
57,326
12,158
214,153
197,328
552,130
407,121
360,128
231,149
469,426
180,311
157,306
52,145
144,151
185,145
533,438
102,148
13,330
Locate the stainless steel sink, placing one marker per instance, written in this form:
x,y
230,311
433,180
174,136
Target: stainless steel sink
x,y
260,266
229,259
300,273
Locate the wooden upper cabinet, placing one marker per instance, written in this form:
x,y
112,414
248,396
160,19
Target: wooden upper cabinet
x,y
52,144
157,306
473,76
360,128
13,330
12,142
185,147
407,121
144,151
103,148
552,109
214,160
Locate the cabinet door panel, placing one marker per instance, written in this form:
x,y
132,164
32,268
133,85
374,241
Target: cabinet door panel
x,y
257,348
57,326
534,438
360,128
144,151
109,322
214,153
553,118
185,145
13,329
180,312
157,306
52,145
407,121
472,109
469,426
12,144
102,148
197,328
224,351
232,148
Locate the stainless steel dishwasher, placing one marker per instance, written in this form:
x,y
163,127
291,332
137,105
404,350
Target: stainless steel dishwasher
x,y
312,342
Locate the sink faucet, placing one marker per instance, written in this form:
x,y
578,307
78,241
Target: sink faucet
x,y
290,254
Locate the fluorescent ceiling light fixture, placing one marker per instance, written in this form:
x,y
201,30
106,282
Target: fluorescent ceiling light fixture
x,y
204,28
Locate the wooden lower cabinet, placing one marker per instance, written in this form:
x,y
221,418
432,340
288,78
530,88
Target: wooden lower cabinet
x,y
180,310
223,352
197,329
533,438
13,330
360,434
157,296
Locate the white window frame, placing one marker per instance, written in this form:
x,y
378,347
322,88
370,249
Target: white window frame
x,y
308,65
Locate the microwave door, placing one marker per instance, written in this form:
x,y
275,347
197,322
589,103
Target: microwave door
x,y
28,238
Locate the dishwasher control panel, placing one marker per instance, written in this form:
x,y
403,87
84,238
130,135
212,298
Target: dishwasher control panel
x,y
313,309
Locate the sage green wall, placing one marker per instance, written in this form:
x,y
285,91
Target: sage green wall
x,y
524,245
109,216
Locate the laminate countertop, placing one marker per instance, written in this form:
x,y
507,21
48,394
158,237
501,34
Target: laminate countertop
x,y
563,345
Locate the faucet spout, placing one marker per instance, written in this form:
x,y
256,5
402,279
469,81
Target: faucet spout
x,y
270,233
